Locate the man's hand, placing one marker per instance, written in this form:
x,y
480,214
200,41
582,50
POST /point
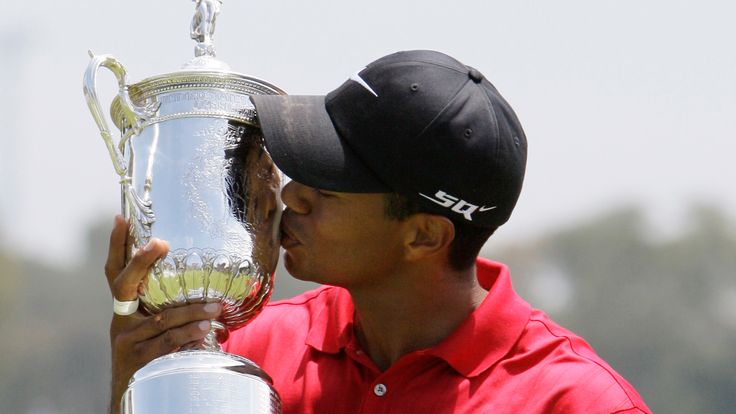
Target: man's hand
x,y
137,339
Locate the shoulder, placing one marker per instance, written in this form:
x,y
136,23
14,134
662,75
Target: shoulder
x,y
289,319
565,367
304,304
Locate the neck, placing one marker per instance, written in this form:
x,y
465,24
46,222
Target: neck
x,y
410,311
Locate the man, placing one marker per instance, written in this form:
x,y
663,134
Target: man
x,y
398,178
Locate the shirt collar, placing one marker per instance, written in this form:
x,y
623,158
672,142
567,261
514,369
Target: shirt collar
x,y
492,329
332,328
479,342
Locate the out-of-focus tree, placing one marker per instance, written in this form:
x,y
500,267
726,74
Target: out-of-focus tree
x,y
663,313
53,349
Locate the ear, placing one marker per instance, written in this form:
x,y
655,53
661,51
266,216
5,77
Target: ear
x,y
428,235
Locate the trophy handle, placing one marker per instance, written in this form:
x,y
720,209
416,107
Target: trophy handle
x,y
135,115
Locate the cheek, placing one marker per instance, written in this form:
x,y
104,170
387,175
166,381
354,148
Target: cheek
x,y
342,230
356,243
333,244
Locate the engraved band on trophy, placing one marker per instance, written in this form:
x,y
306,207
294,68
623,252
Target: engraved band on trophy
x,y
194,171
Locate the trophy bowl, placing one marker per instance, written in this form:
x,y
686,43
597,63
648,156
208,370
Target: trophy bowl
x,y
200,177
194,171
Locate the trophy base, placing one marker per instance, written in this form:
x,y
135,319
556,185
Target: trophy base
x,y
204,382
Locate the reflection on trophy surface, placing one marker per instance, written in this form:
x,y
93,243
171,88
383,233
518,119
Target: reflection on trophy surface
x,y
195,172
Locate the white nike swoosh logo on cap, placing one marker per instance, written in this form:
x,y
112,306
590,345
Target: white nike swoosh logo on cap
x,y
356,77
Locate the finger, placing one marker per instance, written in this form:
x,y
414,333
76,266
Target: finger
x,y
116,249
122,324
172,339
193,345
125,285
177,317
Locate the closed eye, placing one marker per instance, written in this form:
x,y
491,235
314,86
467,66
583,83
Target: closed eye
x,y
325,193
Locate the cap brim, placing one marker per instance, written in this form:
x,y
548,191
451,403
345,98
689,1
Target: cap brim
x,y
304,144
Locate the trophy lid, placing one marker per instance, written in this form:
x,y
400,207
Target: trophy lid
x,y
202,73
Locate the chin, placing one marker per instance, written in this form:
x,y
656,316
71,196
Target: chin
x,y
300,268
293,269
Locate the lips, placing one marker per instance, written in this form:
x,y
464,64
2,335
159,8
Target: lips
x,y
287,237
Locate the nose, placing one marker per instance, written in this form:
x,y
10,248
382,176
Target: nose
x,y
295,196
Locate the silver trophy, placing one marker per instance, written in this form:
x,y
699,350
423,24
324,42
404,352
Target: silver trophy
x,y
194,171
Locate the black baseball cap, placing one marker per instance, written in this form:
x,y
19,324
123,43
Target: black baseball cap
x,y
418,123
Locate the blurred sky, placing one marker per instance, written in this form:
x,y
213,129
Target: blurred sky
x,y
622,101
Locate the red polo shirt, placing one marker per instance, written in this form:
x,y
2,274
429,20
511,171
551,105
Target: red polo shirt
x,y
505,358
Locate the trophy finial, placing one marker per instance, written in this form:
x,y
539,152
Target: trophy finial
x,y
203,26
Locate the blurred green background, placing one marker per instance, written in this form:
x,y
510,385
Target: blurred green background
x,y
662,312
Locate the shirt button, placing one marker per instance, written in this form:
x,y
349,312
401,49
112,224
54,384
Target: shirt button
x,y
380,390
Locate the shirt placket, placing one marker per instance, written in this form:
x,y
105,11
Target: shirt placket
x,y
376,388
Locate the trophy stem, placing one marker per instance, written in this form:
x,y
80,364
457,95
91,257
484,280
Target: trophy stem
x,y
211,342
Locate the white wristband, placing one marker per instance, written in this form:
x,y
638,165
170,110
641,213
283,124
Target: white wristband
x,y
124,308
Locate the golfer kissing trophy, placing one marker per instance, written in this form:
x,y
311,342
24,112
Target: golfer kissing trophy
x,y
194,171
